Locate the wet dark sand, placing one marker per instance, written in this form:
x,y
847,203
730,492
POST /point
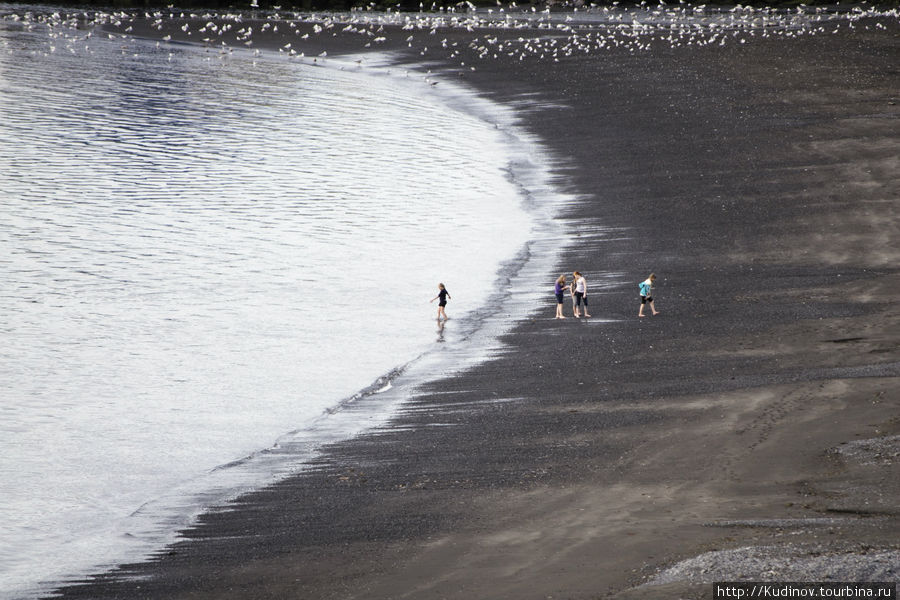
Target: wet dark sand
x,y
760,182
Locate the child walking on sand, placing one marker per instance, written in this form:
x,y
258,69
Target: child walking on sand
x,y
646,288
558,290
442,296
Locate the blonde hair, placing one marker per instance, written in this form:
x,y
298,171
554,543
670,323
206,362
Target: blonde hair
x,y
561,279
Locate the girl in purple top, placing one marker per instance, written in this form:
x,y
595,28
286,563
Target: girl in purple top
x,y
559,291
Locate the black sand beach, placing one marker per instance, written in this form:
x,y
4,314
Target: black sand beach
x,y
750,431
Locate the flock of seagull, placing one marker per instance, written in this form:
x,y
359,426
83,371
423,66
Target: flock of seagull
x,y
506,31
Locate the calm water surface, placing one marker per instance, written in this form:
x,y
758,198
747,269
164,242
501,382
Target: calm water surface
x,y
201,255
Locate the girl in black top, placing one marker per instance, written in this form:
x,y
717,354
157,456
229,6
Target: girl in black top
x,y
442,296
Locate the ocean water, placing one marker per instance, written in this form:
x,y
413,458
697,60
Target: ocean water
x,y
209,261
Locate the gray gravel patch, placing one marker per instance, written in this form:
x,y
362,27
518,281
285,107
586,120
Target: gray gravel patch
x,y
873,451
783,563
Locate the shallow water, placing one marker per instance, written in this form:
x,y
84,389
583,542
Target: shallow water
x,y
204,255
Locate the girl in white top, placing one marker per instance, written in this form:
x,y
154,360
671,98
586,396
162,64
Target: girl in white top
x,y
580,294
